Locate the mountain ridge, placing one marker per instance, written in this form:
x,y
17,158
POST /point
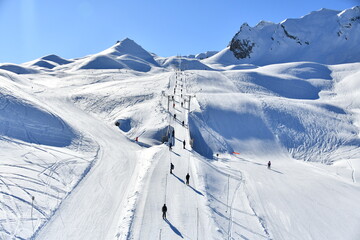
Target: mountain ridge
x,y
324,36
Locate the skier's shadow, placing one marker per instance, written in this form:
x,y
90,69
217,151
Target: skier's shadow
x,y
176,153
182,181
276,171
174,228
196,190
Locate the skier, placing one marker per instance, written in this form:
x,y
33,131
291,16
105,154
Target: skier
x,y
187,178
171,167
182,104
184,144
175,116
174,105
269,165
183,123
164,210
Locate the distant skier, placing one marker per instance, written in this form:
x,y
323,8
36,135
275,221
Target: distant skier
x,y
184,144
175,116
182,104
171,168
164,210
174,105
187,178
183,123
269,165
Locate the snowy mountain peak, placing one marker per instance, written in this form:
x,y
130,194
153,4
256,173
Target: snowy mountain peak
x,y
56,59
126,54
325,36
127,43
128,46
263,23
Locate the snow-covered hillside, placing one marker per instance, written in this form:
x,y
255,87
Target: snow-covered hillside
x,y
324,36
85,146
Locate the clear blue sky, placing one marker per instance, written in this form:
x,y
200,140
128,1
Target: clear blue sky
x,y
30,29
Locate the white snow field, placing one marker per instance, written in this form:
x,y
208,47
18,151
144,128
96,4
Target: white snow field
x,y
84,146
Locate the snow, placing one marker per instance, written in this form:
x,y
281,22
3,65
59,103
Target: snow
x,y
16,68
85,153
324,36
123,55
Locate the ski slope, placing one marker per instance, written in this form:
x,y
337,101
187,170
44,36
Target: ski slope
x,y
72,169
188,216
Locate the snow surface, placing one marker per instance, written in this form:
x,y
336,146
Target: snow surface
x,y
85,150
324,36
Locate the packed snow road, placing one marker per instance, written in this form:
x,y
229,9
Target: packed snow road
x,y
188,216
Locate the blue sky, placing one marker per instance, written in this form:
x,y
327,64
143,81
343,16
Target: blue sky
x,y
74,28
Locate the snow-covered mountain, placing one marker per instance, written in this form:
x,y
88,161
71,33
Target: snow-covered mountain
x,y
123,55
47,62
324,36
85,143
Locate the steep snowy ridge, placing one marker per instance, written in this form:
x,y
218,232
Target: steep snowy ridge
x,y
324,36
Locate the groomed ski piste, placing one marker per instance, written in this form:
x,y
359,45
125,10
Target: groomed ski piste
x,y
85,152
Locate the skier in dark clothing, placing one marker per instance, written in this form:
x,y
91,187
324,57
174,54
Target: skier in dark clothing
x,y
183,123
184,144
182,104
164,210
174,116
171,168
269,165
187,178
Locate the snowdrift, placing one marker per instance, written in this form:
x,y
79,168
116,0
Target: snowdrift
x,y
27,121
